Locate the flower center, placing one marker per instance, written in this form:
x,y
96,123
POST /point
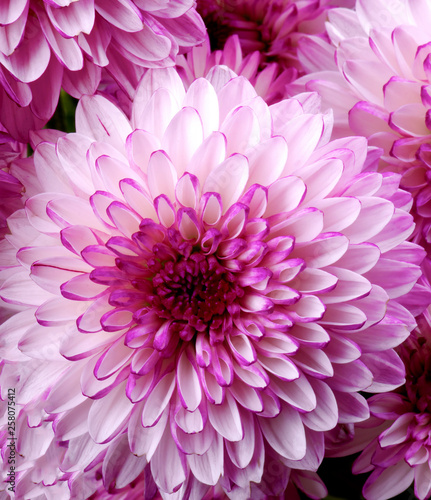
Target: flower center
x,y
194,289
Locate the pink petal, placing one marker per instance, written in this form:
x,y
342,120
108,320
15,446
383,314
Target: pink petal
x,y
147,47
325,414
167,465
208,467
225,419
360,257
20,289
73,19
108,415
182,137
157,400
74,422
66,49
298,393
303,225
383,484
285,194
191,422
398,432
301,144
241,129
59,310
246,396
359,376
352,407
121,473
66,393
320,178
145,440
228,179
31,58
396,277
338,213
189,388
112,359
83,81
235,92
208,156
120,13
241,452
162,175
80,452
11,33
202,97
387,369
323,251
314,362
11,10
99,119
422,480
285,433
198,443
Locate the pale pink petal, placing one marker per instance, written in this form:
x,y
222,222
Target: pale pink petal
x,y
166,465
108,415
285,433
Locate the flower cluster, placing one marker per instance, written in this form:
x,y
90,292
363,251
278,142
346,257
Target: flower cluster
x,y
218,274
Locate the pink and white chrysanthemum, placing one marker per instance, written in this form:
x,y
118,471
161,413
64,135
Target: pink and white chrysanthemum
x,y
270,28
269,82
395,440
49,44
375,75
219,278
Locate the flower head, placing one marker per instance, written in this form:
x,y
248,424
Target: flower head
x,y
49,44
395,441
271,28
209,311
375,75
270,82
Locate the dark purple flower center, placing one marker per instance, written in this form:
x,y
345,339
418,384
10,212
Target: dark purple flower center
x,y
190,289
196,289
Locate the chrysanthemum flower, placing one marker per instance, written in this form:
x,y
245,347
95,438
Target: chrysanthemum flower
x,y
375,75
271,28
49,44
398,433
270,82
221,278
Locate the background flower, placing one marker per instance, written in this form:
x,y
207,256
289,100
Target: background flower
x,y
270,28
52,44
395,440
213,312
375,76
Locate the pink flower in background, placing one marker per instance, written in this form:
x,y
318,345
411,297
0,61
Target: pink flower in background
x,y
395,440
208,316
375,75
270,83
65,43
271,28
